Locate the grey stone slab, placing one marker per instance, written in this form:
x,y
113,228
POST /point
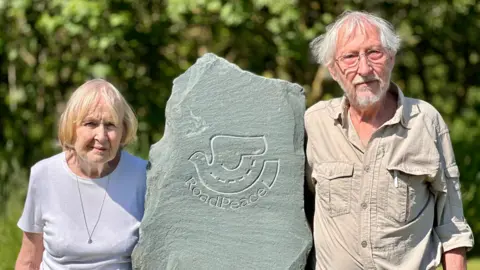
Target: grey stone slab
x,y
225,183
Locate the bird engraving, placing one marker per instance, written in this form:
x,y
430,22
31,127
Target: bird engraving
x,y
233,165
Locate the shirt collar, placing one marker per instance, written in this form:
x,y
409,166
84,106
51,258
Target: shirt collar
x,y
405,111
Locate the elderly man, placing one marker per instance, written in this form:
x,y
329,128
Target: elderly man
x,y
381,165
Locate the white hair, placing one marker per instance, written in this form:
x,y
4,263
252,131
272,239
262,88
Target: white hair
x,y
323,47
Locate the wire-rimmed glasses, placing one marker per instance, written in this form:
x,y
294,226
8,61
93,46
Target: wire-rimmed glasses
x,y
373,56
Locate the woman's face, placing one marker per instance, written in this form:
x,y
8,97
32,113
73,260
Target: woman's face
x,y
97,136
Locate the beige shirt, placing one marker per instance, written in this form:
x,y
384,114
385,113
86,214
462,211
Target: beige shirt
x,y
393,204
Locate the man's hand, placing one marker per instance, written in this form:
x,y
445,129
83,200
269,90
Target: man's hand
x,y
454,259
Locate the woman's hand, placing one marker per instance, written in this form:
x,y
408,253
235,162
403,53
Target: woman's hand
x,y
30,255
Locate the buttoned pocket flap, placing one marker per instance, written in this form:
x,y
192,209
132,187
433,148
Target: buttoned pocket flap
x,y
334,170
452,172
413,170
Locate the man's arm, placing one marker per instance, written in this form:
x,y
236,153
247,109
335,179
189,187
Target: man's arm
x,y
451,227
30,255
309,186
454,259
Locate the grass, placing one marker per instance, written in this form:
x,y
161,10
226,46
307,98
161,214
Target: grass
x,y
10,234
474,264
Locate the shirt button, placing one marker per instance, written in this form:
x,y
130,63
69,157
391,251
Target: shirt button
x,y
367,168
380,152
364,205
364,244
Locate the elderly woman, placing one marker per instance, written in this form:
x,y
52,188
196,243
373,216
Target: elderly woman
x,y
84,205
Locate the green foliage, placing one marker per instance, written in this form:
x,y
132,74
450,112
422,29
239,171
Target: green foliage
x,y
11,236
474,264
50,47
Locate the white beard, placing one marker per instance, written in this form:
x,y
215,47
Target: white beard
x,y
367,101
363,102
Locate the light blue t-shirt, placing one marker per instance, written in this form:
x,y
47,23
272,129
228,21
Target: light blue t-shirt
x,y
53,208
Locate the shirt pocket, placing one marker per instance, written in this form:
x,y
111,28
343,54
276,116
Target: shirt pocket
x,y
334,186
404,185
449,183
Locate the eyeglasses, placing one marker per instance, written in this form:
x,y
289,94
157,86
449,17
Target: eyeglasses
x,y
349,60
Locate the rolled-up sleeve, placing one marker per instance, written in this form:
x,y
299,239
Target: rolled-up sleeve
x,y
451,227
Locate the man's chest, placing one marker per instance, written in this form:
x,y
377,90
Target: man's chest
x,y
388,178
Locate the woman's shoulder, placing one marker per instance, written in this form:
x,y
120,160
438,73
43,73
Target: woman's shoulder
x,y
133,161
41,171
52,162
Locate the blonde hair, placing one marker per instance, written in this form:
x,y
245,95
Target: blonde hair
x,y
83,99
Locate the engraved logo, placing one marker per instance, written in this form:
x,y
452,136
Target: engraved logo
x,y
235,173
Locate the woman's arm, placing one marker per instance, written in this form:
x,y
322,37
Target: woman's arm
x,y
30,255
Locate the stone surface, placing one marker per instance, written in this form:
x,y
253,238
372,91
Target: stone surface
x,y
225,183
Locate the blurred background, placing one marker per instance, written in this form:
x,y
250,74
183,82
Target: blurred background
x,y
50,47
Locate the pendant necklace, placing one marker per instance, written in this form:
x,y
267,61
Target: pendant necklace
x,y
99,213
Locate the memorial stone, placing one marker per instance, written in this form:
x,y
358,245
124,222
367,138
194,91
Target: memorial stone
x,y
225,183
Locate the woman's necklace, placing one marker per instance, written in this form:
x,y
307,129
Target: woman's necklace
x,y
99,213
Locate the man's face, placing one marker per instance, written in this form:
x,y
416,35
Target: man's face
x,y
362,66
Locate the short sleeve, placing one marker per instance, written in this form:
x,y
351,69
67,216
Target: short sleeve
x,y
31,219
